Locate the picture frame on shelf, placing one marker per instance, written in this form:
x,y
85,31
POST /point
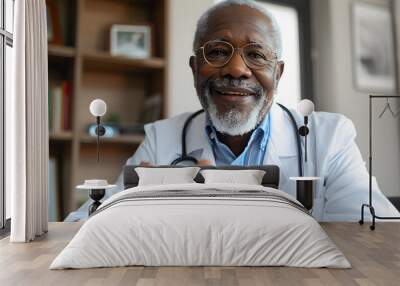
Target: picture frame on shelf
x,y
54,35
374,48
133,41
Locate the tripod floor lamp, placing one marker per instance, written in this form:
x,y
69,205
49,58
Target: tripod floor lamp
x,y
370,204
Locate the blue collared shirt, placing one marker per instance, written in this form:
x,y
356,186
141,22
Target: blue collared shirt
x,y
255,149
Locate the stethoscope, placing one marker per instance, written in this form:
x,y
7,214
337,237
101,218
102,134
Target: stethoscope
x,y
302,131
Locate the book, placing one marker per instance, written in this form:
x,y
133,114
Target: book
x,y
60,106
50,115
57,109
66,105
53,190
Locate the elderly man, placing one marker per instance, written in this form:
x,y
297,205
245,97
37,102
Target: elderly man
x,y
236,69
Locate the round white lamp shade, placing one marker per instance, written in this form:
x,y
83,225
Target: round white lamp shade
x,y
95,184
98,107
305,107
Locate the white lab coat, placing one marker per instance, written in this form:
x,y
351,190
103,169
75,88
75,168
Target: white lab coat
x,y
332,155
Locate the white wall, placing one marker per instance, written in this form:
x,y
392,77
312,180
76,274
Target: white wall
x,y
289,91
334,91
182,17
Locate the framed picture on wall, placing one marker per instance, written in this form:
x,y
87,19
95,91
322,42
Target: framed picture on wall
x,y
131,41
374,52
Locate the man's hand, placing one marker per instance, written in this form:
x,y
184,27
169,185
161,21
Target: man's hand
x,y
203,162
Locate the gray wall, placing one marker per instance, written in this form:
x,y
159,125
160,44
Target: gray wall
x,y
334,90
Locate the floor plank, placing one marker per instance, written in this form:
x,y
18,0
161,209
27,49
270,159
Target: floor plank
x,y
374,255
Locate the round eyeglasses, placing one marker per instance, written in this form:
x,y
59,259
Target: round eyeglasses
x,y
255,55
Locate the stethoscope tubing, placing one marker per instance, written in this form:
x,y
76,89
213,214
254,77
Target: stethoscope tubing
x,y
298,139
184,157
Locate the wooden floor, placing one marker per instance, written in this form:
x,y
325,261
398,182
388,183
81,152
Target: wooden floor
x,y
374,255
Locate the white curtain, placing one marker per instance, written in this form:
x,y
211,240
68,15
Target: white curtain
x,y
27,124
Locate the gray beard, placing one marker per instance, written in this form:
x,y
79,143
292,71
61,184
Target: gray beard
x,y
234,122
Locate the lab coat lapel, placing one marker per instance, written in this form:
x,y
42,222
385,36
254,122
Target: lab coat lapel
x,y
198,143
281,148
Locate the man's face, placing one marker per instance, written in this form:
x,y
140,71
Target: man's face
x,y
235,96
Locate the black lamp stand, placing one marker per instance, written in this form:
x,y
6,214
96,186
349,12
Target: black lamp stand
x,y
97,194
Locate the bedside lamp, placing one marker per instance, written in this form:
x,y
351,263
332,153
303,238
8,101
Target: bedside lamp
x,y
305,185
97,188
305,108
98,108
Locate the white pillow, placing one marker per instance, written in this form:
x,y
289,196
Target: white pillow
x,y
164,176
248,177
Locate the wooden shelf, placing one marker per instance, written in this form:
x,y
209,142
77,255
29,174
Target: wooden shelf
x,y
123,139
123,83
104,60
60,136
61,51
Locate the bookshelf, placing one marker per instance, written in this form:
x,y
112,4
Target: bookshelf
x,y
60,136
82,65
97,60
61,51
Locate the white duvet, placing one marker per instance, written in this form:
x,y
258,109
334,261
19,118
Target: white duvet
x,y
238,228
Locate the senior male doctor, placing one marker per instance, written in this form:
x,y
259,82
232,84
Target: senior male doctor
x,y
236,69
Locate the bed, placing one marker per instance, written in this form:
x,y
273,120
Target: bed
x,y
201,224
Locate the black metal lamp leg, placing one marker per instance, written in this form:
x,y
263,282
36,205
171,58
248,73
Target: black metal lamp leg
x,y
93,207
372,210
361,221
96,195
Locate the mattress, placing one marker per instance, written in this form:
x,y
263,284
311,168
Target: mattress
x,y
201,225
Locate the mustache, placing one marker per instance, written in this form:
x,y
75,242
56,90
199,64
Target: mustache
x,y
236,83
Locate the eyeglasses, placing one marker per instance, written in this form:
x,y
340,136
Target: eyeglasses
x,y
255,55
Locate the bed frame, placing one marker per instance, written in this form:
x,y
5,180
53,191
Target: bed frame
x,y
270,179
